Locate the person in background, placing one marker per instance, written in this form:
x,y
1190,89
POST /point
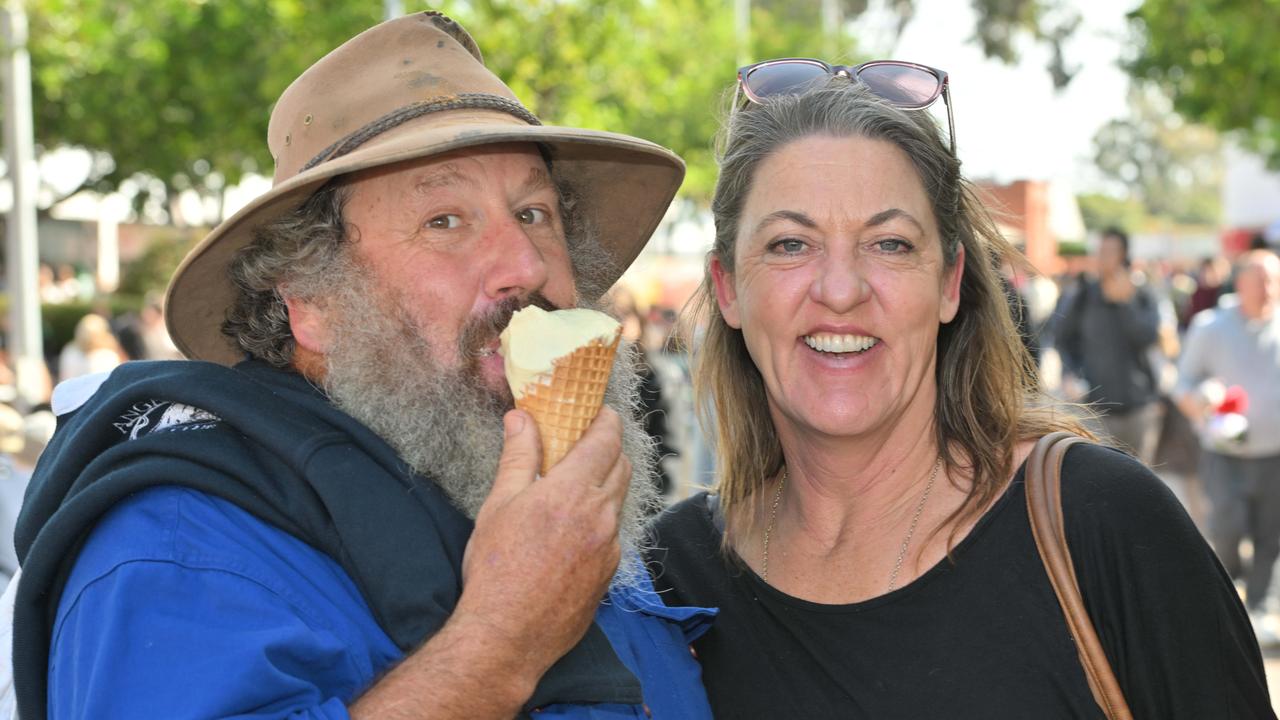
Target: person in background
x,y
143,335
1104,338
22,439
1210,280
93,349
868,543
13,485
1237,345
653,407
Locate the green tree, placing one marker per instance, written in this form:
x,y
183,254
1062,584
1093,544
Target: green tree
x,y
1101,211
174,89
1220,62
175,94
1174,169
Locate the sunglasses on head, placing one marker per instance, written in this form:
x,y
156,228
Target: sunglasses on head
x,y
902,84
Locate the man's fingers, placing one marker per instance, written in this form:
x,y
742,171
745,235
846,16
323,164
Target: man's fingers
x,y
619,478
521,455
598,449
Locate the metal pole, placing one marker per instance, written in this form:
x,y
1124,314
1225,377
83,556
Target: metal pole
x,y
26,351
392,9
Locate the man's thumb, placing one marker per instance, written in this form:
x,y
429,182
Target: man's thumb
x,y
521,455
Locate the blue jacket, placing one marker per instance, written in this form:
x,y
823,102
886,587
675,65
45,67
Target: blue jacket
x,y
298,561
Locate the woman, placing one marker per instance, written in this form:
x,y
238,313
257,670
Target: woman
x,y
868,544
92,349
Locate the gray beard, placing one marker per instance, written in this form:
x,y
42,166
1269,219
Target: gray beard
x,y
445,423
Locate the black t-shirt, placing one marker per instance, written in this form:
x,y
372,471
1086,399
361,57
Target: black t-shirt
x,y
982,635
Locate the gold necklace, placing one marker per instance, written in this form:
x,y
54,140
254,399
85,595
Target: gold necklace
x,y
773,515
906,542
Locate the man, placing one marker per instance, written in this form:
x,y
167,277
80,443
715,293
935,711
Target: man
x,y
1104,338
335,518
1238,344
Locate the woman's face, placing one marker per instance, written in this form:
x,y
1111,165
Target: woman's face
x,y
839,285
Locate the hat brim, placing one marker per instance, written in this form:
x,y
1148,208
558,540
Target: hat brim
x,y
623,185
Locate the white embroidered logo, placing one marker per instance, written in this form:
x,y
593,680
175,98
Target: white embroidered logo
x,y
174,417
137,418
183,415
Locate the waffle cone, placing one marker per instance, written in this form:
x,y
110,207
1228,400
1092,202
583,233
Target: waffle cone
x,y
566,403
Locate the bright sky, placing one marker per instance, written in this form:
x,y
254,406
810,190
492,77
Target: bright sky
x,y
1010,123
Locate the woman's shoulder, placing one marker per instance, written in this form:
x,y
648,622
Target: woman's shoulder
x,y
1108,493
692,521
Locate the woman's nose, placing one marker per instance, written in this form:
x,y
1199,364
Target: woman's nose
x,y
839,284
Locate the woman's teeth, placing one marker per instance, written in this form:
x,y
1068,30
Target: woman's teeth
x,y
840,343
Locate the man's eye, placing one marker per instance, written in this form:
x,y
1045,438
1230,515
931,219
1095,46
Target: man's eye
x,y
532,216
444,222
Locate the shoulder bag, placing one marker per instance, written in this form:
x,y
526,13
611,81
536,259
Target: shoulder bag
x,y
1044,507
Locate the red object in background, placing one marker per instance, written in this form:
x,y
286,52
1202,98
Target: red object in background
x,y
1236,240
1236,401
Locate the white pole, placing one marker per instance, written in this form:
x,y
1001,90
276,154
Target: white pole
x,y
108,274
391,9
26,351
742,29
831,30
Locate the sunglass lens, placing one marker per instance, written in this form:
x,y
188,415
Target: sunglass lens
x,y
783,78
902,85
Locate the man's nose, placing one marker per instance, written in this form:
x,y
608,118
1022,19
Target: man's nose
x,y
839,283
517,266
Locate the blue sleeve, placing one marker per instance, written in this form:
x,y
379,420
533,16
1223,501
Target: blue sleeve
x,y
163,639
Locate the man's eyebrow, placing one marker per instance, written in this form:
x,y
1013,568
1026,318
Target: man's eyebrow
x,y
885,216
538,179
446,175
780,215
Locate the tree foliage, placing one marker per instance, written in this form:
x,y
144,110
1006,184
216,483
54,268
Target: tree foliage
x,y
1100,211
181,90
1002,22
176,89
1220,62
1174,169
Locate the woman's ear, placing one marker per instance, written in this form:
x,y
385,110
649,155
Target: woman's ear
x,y
726,294
953,276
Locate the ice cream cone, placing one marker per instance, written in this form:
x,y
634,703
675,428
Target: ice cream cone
x,y
564,403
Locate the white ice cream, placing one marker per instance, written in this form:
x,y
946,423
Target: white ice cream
x,y
536,338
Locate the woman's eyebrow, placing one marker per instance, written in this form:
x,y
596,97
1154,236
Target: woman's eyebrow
x,y
885,216
779,215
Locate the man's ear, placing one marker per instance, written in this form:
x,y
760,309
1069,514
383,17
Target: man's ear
x,y
726,294
951,288
309,325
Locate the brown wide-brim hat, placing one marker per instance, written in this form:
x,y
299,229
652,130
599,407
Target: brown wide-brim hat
x,y
406,89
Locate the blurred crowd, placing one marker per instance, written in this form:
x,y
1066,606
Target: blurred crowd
x,y
1179,364
101,341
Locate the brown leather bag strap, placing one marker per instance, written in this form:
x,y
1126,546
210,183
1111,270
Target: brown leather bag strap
x,y
1044,506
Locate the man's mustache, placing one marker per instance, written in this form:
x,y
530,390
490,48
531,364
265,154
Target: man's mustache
x,y
482,330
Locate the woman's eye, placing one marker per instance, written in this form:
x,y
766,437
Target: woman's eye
x,y
893,245
444,222
789,246
532,216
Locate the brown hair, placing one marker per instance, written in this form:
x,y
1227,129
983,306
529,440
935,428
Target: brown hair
x,y
988,393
